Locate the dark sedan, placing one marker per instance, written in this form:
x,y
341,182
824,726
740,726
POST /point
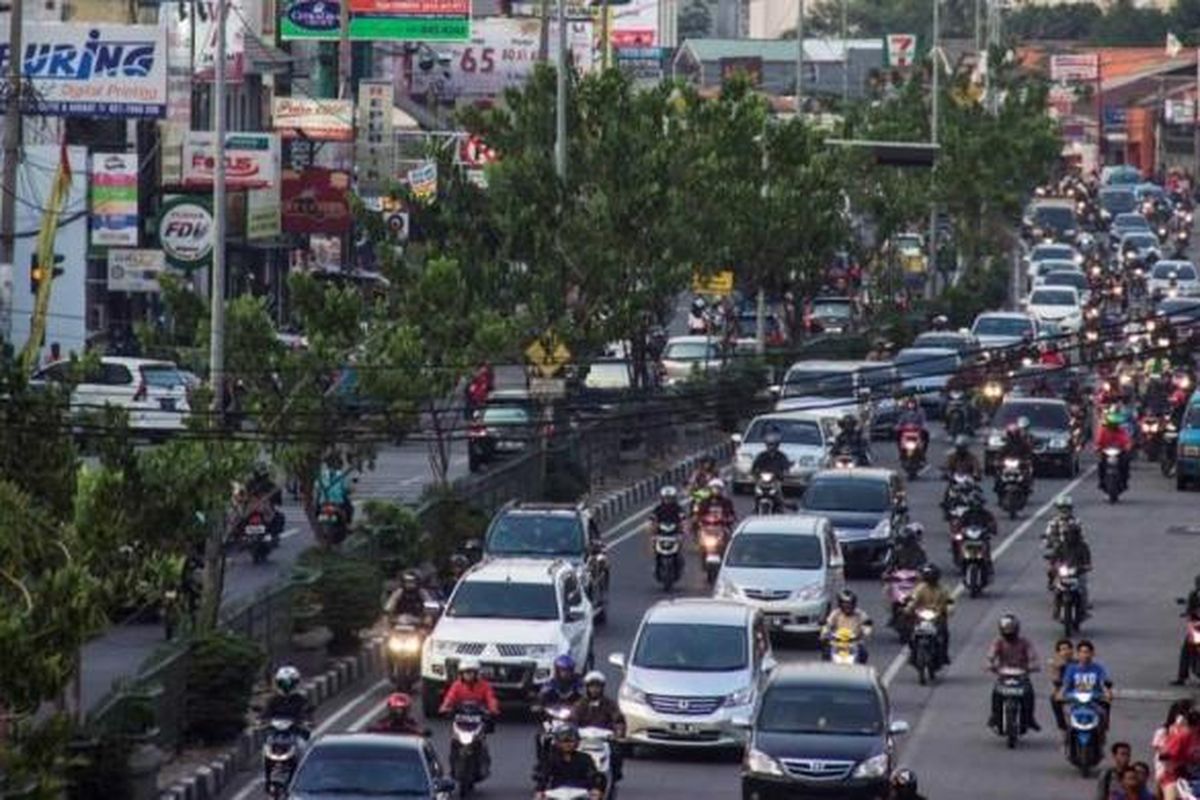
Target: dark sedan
x,y
864,505
357,766
503,427
1055,444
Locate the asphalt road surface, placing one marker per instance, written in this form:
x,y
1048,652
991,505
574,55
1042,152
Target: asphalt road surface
x,y
1143,552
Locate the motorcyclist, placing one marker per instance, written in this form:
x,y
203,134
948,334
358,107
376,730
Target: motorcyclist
x,y
912,416
1073,551
409,599
697,317
459,564
961,460
849,440
1086,675
849,616
260,493
1112,434
1050,356
718,500
930,594
288,702
333,486
1018,444
1191,611
470,688
564,688
1013,651
398,717
595,710
1064,517
566,766
706,470
907,553
772,459
903,785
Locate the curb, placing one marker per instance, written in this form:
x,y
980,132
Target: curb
x,y
209,781
641,493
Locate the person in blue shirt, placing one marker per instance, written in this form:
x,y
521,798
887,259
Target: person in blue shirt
x,y
1085,674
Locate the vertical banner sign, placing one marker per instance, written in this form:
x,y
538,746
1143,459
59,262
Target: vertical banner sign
x,y
376,145
176,17
114,217
901,49
204,38
263,213
378,20
423,181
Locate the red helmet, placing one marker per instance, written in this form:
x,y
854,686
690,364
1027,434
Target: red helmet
x,y
398,702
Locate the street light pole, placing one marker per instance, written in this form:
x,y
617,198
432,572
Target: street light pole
x,y
560,116
12,148
935,87
216,364
799,56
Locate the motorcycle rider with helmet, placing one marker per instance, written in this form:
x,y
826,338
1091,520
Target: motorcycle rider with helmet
x,y
1073,551
697,317
564,688
1191,611
849,616
469,688
907,552
903,786
912,415
595,710
459,564
930,594
961,460
668,510
849,440
566,766
288,703
333,486
397,718
1011,650
1064,517
771,459
1018,444
409,599
1114,435
718,500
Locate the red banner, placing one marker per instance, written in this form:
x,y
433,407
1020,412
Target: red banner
x,y
316,200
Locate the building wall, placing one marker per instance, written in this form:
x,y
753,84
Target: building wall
x,y
97,10
779,77
770,19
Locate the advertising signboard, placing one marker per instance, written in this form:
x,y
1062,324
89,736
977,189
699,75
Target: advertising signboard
x,y
312,118
114,217
134,270
378,20
315,201
185,231
251,160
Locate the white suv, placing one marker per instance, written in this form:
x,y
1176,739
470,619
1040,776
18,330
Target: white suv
x,y
155,393
516,615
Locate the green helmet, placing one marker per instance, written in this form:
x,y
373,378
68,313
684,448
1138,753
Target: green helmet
x,y
1112,419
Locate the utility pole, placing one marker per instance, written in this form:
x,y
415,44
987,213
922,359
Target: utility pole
x,y
12,144
216,364
560,115
544,35
799,56
605,22
935,86
845,58
345,53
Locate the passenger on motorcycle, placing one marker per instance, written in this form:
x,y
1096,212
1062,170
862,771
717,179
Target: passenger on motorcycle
x,y
1087,675
903,786
849,440
929,594
565,688
1191,611
717,500
566,766
961,460
772,459
1011,650
595,710
409,599
907,552
1114,435
912,416
397,718
849,616
333,486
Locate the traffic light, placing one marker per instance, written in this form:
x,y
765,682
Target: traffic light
x,y
37,273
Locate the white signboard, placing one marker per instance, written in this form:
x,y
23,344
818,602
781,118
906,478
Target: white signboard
x,y
204,38
251,160
94,70
312,118
901,49
114,215
1074,67
135,270
185,231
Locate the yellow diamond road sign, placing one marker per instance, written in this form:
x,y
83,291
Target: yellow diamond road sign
x,y
548,356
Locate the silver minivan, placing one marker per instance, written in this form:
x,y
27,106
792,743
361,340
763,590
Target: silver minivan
x,y
695,668
788,566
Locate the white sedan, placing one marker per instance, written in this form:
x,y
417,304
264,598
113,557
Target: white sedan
x,y
1059,304
1185,277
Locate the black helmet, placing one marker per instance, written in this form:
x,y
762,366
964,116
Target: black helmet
x,y
912,531
962,442
772,438
848,422
698,304
930,573
847,598
1009,626
904,778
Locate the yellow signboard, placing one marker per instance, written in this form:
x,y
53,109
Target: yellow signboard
x,y
719,283
548,355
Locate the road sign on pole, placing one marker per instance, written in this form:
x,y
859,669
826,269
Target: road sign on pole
x,y
548,355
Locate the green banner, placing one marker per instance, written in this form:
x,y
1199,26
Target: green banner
x,y
304,19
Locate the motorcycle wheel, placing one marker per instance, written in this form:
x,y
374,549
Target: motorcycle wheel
x,y
464,775
710,572
1113,489
1067,611
973,579
1012,723
912,469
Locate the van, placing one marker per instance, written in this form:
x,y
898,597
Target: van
x,y
843,387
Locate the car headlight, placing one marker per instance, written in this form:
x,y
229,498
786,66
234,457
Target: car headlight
x,y
883,530
1059,442
1190,450
995,440
444,648
759,763
873,767
811,592
632,694
740,698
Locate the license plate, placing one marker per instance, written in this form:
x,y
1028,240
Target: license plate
x,y
167,404
683,728
777,620
256,530
503,445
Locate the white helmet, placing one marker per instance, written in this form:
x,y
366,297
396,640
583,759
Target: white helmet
x,y
717,485
595,676
668,494
468,665
287,679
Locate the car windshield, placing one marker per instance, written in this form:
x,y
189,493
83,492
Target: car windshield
x,y
1141,240
821,710
831,309
1002,326
846,494
791,431
165,376
508,600
1055,265
1050,416
1055,216
608,375
1053,297
691,647
520,534
1192,418
813,383
774,551
904,243
388,772
1180,310
914,364
1117,201
1132,222
690,351
1184,272
1056,252
1076,280
1124,176
505,415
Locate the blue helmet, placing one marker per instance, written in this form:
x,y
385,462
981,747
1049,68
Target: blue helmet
x,y
564,662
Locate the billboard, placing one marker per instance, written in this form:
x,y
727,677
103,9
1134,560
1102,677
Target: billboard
x,y
378,20
315,200
311,118
66,320
1075,67
114,218
135,270
185,231
635,24
96,70
251,160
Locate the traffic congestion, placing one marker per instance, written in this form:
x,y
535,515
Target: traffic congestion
x,y
966,560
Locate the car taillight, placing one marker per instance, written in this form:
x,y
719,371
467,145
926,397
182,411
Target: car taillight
x,y
477,432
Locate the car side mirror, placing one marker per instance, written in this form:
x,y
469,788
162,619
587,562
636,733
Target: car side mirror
x,y
617,660
898,727
736,438
769,663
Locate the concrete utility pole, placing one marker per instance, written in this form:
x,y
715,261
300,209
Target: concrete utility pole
x,y
560,114
216,363
345,53
799,56
12,139
935,87
845,57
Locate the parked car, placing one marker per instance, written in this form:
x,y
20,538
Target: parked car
x,y
788,566
506,425
155,394
866,506
821,730
805,439
696,667
1055,447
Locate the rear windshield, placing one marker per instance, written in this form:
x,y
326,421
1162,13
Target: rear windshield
x,y
1117,201
1052,251
917,364
1055,216
847,494
690,351
164,377
832,310
1052,297
1003,326
774,551
791,431
1183,272
505,415
1076,280
815,383
1040,415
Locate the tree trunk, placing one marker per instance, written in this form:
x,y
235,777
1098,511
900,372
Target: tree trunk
x,y
213,585
439,449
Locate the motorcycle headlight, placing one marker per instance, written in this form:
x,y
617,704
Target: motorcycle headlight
x,y
740,698
767,477
1058,442
883,530
406,645
760,763
873,767
995,440
810,592
632,694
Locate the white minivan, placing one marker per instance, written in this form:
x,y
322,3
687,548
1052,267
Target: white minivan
x,y
154,393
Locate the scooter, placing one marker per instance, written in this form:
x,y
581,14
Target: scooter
x,y
1113,484
554,719
668,562
1085,719
1011,490
976,560
596,744
281,754
1068,598
468,734
924,650
768,494
898,586
844,647
714,536
404,644
331,522
1010,685
912,451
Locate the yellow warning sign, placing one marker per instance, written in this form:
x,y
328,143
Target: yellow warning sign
x,y
548,354
719,283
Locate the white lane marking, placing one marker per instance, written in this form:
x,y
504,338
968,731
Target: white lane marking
x,y
901,658
289,533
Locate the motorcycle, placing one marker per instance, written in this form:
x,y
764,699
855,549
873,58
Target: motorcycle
x,y
281,754
1084,721
331,523
668,562
958,417
1010,685
844,647
924,650
468,734
989,397
912,451
1152,440
596,744
404,644
1192,641
898,587
714,536
1113,485
976,560
1068,598
1170,450
554,719
768,494
1011,491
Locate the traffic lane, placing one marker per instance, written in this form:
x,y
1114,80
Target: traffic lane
x,y
1139,569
